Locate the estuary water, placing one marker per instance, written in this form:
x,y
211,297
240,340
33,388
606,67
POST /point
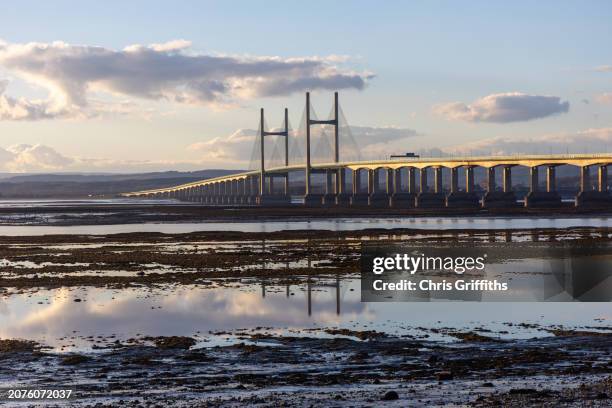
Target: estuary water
x,y
335,224
214,314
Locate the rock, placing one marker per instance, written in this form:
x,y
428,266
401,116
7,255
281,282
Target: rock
x,y
488,384
173,342
74,359
444,375
390,396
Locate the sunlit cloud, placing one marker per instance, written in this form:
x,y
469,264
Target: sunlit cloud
x,y
503,108
171,72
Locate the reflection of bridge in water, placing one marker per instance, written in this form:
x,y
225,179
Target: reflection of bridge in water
x,y
319,177
311,282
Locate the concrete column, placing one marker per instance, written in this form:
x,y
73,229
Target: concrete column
x,y
207,194
286,186
329,182
356,181
224,191
389,181
603,178
585,178
491,179
235,191
533,179
243,187
271,184
397,180
550,179
454,179
469,179
423,186
341,181
372,181
438,179
412,180
247,186
255,185
507,179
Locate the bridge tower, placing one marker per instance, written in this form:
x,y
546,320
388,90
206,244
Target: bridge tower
x,y
263,196
311,199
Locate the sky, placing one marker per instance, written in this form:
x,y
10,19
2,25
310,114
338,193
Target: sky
x,y
147,85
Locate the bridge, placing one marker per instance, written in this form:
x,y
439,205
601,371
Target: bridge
x,y
319,178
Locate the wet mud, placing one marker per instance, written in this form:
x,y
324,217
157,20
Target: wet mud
x,y
342,369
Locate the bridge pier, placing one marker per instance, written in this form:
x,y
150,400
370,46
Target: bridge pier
x,y
499,199
270,198
234,192
462,199
358,198
397,197
542,199
329,198
342,198
239,197
206,194
250,190
376,197
427,199
223,192
589,198
214,192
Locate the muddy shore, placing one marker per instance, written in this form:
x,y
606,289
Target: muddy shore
x,y
322,366
347,368
53,261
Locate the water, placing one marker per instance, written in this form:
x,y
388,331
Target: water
x,y
336,224
54,318
50,316
29,203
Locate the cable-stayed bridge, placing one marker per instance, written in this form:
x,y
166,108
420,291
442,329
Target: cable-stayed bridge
x,y
319,164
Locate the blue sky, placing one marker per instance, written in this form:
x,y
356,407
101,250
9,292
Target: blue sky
x,y
423,55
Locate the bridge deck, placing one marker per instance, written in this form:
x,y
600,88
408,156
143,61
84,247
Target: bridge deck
x,y
580,160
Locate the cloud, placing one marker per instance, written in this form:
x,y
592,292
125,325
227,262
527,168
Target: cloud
x,y
604,68
585,141
170,72
605,98
24,158
503,108
23,109
236,147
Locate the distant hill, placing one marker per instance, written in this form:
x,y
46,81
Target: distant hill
x,y
75,185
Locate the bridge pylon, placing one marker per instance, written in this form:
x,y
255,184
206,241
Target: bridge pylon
x,y
311,199
263,195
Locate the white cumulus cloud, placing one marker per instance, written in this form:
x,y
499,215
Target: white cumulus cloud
x,y
170,71
503,108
